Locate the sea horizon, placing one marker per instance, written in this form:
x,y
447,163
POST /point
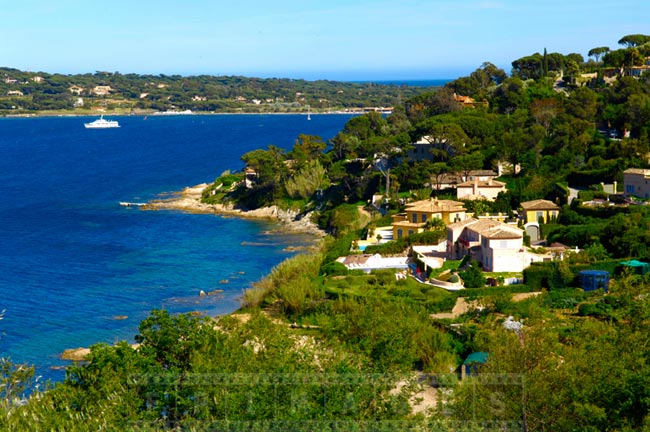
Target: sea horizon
x,y
408,82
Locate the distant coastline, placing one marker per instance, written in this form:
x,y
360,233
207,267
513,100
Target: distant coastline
x,y
26,92
151,113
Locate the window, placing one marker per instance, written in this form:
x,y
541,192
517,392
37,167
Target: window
x,y
400,233
424,218
414,218
410,232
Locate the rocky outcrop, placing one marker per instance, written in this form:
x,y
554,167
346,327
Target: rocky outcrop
x,y
75,354
189,199
81,354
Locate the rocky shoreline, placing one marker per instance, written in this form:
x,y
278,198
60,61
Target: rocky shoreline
x,y
189,200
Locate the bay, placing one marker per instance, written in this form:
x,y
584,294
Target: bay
x,y
76,268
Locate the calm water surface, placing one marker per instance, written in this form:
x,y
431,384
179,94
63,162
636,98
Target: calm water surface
x,y
76,268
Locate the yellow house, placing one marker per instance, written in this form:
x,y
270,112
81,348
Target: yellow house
x,y
418,213
540,211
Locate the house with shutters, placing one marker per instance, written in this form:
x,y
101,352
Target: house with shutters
x,y
499,247
635,182
416,215
540,210
480,189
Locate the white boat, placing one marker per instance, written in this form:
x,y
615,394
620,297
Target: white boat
x,y
100,123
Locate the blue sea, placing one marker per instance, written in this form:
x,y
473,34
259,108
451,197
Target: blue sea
x,y
76,268
412,83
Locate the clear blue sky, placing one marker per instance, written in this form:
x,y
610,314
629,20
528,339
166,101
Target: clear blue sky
x,y
311,39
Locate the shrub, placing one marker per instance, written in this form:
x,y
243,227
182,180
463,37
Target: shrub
x,y
297,293
553,275
394,334
337,247
473,276
599,309
283,275
563,298
536,276
444,305
253,297
334,269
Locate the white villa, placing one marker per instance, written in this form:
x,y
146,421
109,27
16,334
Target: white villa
x,y
497,246
480,189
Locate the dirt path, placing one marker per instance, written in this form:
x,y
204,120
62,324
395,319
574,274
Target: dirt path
x,y
523,296
462,306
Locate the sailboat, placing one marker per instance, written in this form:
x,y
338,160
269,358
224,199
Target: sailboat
x,y
308,112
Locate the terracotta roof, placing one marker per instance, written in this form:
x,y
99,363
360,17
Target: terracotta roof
x,y
451,178
356,259
484,224
435,205
462,223
482,173
637,171
494,230
483,184
502,232
539,204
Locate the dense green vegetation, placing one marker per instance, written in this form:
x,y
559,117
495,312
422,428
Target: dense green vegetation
x,y
337,366
28,92
318,347
560,130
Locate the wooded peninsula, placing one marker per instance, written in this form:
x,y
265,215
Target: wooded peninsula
x,y
24,93
485,265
